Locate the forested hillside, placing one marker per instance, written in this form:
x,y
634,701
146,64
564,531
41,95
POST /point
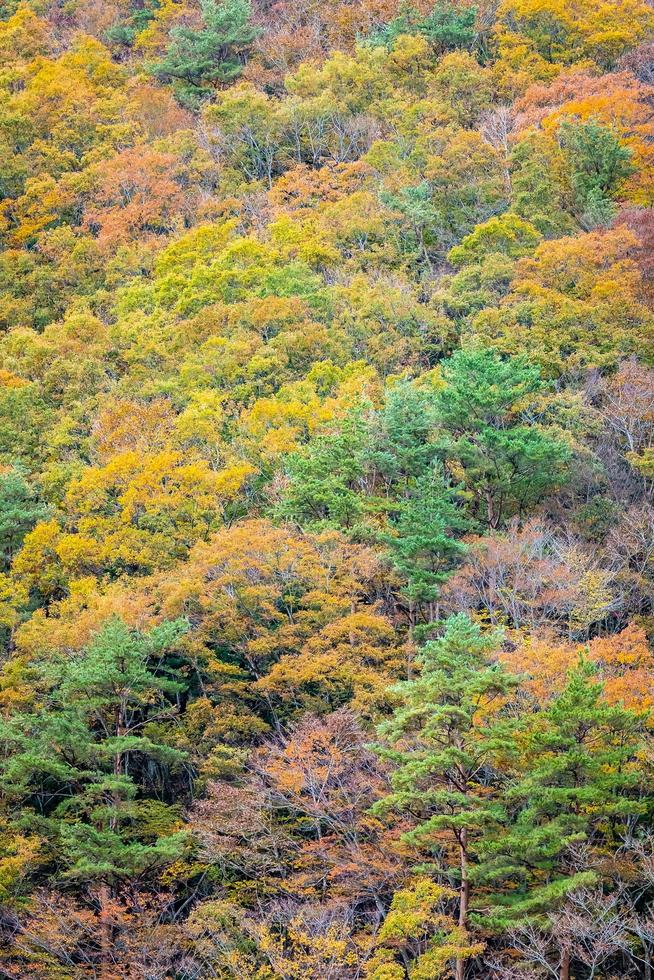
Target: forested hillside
x,y
326,490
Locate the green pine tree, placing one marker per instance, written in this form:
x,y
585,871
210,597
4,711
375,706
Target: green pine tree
x,y
442,746
507,464
74,767
199,60
446,28
578,782
599,162
367,465
401,445
20,510
423,544
326,480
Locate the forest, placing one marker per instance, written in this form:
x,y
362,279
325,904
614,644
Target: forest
x,y
326,489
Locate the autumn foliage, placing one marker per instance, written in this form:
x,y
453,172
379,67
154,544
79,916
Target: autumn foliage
x,y
326,490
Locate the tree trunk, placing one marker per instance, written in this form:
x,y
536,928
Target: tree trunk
x,y
465,884
464,896
106,934
565,965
